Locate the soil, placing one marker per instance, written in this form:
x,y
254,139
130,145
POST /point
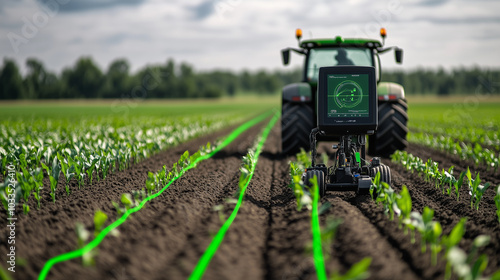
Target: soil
x,y
269,239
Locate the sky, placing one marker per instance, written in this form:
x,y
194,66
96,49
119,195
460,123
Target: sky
x,y
244,34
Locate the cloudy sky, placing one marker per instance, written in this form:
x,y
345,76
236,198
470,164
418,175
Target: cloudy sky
x,y
238,34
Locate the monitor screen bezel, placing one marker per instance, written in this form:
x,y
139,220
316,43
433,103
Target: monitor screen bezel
x,y
346,125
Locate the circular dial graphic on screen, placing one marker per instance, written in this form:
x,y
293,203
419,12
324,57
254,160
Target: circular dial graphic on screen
x,y
348,94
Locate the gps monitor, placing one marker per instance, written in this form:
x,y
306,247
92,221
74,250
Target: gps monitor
x,y
347,100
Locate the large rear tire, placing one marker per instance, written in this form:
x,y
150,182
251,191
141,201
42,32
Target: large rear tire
x,y
297,121
392,129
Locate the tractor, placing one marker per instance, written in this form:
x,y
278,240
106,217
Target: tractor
x,y
342,99
299,109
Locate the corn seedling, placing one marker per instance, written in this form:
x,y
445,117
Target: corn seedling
x,y
53,173
458,184
385,195
358,271
139,195
77,169
433,236
470,266
67,170
476,190
302,195
37,175
447,179
151,183
451,241
99,220
328,234
26,182
90,165
83,236
248,164
497,202
375,188
430,232
128,202
304,158
108,163
403,201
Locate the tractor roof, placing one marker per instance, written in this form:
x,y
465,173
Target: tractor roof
x,y
338,42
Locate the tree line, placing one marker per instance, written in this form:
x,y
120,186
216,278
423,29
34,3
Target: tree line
x,y
461,80
170,80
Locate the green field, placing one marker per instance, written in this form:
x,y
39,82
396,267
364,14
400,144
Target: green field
x,y
455,109
458,109
80,137
128,108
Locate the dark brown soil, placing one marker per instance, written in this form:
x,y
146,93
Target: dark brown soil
x,y
269,239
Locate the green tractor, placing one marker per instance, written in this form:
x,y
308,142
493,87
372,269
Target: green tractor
x,y
299,110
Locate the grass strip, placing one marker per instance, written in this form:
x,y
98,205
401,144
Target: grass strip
x,y
205,259
319,261
94,243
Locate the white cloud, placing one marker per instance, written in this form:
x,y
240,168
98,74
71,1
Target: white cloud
x,y
237,34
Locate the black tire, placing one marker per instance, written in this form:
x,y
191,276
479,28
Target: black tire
x,y
392,129
321,180
297,121
385,173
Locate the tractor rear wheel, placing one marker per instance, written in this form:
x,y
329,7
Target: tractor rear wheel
x,y
392,129
297,121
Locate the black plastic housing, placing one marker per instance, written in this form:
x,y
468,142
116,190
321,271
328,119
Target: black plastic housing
x,y
353,124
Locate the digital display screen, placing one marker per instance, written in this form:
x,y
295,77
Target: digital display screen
x,y
348,95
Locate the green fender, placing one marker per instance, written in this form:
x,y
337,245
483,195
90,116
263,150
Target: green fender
x,y
297,92
390,91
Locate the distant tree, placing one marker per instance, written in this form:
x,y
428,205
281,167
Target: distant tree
x,y
266,83
117,79
35,78
187,82
53,87
246,81
211,91
287,77
169,82
85,80
11,82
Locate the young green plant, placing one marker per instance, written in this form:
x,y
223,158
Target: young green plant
x,y
476,189
450,241
497,202
53,173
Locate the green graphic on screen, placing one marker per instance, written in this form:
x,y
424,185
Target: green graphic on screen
x,y
348,96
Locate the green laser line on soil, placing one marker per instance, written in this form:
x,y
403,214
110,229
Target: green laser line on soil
x,y
319,261
205,259
94,243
